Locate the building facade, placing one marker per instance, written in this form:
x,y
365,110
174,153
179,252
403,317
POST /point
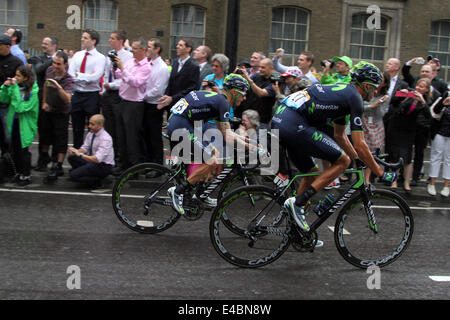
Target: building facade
x,y
372,30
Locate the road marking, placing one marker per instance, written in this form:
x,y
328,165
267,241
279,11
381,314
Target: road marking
x,y
414,208
69,193
332,229
56,192
440,278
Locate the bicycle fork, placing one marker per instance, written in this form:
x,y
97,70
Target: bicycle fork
x,y
369,211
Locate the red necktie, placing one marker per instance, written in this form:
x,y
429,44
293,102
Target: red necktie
x,y
83,64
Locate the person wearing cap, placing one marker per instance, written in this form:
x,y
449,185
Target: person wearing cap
x,y
8,66
439,84
342,75
293,81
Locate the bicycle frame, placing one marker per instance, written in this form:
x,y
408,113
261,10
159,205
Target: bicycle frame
x,y
211,187
357,186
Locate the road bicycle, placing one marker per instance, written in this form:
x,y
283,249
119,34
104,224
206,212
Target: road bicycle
x,y
373,226
140,198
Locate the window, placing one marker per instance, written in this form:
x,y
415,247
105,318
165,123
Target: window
x,y
440,46
14,14
188,22
366,44
101,15
361,43
290,32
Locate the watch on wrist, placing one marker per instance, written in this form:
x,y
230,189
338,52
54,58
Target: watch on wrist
x,y
81,155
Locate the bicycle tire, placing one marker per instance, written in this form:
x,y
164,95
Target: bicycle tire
x,y
364,246
236,248
129,196
235,181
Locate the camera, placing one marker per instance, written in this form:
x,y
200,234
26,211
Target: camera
x,y
277,78
209,84
323,63
112,55
239,71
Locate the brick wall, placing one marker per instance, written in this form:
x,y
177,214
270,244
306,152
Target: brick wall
x,y
146,18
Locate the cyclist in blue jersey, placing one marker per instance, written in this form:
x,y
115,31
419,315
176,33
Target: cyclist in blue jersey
x,y
300,114
205,106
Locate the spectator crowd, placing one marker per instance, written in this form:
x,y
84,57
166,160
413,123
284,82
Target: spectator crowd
x,y
124,97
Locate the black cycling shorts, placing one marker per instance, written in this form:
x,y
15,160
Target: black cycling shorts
x,y
304,142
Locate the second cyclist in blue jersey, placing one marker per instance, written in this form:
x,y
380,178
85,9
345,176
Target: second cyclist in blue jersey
x,y
300,114
205,106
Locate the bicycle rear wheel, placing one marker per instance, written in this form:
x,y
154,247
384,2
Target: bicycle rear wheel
x,y
145,185
363,244
258,245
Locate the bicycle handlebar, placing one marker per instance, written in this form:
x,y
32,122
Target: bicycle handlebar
x,y
393,166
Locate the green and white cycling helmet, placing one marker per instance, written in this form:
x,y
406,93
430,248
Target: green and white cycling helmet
x,y
236,82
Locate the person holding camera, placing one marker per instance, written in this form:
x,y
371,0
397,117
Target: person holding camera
x,y
8,66
342,75
110,97
134,74
288,83
437,83
261,97
304,63
424,118
21,94
403,126
220,66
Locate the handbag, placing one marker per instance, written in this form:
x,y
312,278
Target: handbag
x,y
437,116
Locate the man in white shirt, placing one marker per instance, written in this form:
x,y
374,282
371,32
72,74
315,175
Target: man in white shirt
x,y
110,97
153,118
203,56
304,62
86,68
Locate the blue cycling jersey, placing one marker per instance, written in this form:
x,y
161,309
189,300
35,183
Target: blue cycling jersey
x,y
203,105
322,104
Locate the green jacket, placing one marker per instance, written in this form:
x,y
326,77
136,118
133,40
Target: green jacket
x,y
334,78
27,111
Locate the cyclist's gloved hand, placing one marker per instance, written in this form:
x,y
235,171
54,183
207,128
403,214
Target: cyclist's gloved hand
x,y
263,155
388,177
261,152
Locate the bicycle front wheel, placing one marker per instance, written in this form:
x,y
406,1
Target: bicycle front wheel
x,y
140,198
260,242
375,234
